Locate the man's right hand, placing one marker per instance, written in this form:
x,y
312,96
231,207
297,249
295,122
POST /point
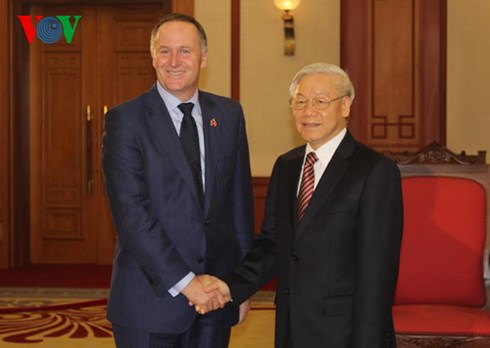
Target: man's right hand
x,y
204,301
213,286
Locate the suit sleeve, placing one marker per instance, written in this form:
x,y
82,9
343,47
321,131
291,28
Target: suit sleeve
x,y
138,232
259,265
242,192
379,239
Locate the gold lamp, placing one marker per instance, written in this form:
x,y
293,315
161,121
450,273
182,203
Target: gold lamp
x,y
287,6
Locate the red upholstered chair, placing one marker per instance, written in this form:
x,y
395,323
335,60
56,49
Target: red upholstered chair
x,y
442,293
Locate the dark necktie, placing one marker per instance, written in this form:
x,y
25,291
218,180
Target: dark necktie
x,y
190,144
307,185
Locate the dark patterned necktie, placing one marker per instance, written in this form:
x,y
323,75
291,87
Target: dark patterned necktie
x,y
190,144
307,185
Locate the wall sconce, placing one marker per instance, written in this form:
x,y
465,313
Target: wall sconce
x,y
286,6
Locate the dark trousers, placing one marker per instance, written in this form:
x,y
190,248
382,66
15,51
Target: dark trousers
x,y
288,340
201,334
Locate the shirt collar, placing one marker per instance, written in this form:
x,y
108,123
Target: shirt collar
x,y
172,102
326,151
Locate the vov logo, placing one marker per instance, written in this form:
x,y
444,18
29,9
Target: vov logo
x,y
49,29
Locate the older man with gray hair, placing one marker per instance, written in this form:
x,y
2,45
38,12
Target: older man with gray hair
x,y
332,229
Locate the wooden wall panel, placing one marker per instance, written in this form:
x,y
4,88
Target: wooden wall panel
x,y
133,76
260,186
394,118
183,6
63,185
63,224
394,51
131,56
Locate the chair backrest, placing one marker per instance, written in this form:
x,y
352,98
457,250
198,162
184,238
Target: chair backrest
x,y
445,248
443,242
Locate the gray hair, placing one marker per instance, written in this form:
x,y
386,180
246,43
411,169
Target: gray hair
x,y
344,86
178,17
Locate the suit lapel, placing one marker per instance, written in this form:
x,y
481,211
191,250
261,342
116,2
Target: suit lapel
x,y
338,165
207,110
293,181
164,132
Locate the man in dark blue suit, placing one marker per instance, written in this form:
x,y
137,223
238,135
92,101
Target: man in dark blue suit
x,y
177,174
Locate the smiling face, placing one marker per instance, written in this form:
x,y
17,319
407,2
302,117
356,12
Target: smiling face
x,y
319,126
178,58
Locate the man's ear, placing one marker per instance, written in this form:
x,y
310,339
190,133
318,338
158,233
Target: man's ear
x,y
204,59
154,61
346,103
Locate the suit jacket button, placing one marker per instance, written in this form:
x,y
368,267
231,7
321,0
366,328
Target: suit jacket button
x,y
286,291
206,222
200,260
294,257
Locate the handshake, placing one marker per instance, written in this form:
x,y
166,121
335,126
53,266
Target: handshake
x,y
208,293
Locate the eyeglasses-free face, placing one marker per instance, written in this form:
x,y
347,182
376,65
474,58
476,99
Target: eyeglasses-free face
x,y
178,58
299,103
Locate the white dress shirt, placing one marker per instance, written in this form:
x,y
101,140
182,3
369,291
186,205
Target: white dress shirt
x,y
324,154
172,103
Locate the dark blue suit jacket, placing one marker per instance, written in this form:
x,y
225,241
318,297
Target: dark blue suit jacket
x,y
163,232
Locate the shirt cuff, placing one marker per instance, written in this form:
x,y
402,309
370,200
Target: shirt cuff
x,y
177,288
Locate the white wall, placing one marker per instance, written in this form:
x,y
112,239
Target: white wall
x,y
215,17
468,76
266,72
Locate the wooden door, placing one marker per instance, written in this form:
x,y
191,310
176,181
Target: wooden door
x,y
70,86
126,72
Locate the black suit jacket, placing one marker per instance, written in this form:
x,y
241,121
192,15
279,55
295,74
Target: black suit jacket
x,y
163,232
337,269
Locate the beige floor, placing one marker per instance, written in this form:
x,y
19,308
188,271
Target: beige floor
x,y
256,332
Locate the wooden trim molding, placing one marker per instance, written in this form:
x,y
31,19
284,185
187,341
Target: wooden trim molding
x,y
435,153
354,38
433,46
19,203
235,49
432,341
260,186
4,137
183,6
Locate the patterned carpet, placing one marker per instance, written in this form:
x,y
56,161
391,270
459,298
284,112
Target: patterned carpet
x,y
76,318
72,318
